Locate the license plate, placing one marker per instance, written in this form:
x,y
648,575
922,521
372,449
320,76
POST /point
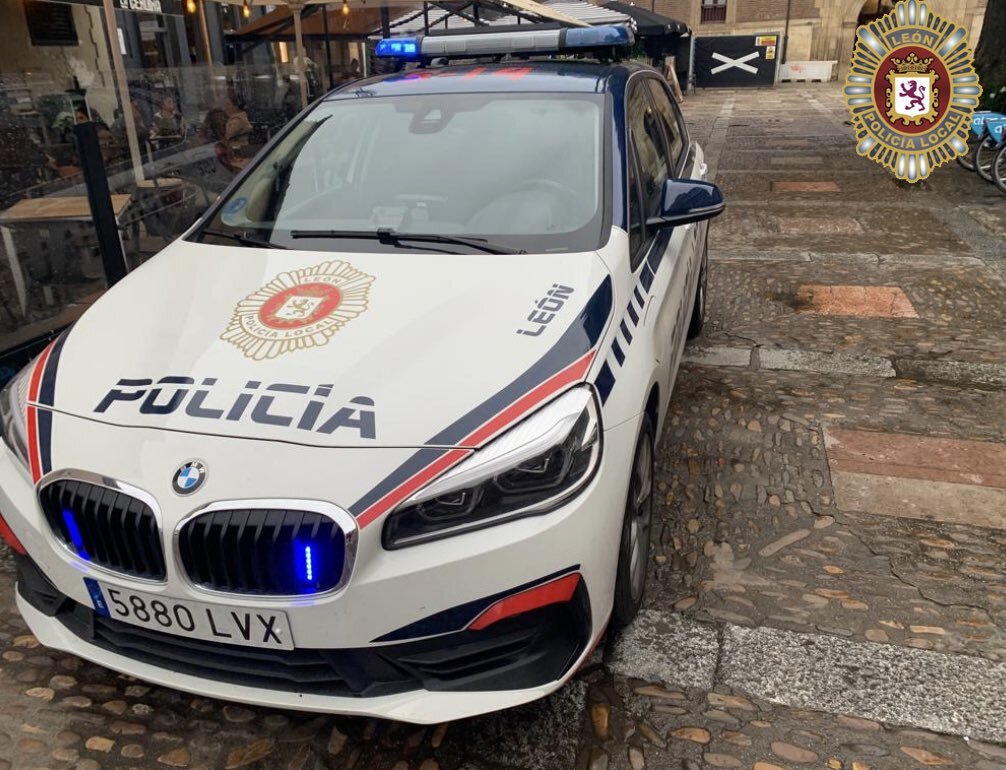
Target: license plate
x,y
195,620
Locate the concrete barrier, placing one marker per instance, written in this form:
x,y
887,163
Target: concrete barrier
x,y
807,71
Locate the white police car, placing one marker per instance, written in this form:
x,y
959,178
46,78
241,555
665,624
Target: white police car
x,y
377,435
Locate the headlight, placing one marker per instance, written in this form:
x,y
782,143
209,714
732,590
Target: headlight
x,y
13,406
533,468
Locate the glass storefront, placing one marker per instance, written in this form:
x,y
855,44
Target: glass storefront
x,y
200,107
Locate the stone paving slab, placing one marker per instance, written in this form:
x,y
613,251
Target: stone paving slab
x,y
981,463
915,499
862,301
953,694
881,228
961,309
778,186
820,160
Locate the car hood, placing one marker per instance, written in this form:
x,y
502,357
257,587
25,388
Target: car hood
x,y
329,349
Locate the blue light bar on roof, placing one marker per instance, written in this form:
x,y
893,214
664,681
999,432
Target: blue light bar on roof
x,y
542,42
406,48
592,37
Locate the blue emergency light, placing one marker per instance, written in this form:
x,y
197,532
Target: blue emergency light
x,y
541,42
406,48
75,537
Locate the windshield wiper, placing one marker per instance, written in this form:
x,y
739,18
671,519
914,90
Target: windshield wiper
x,y
389,237
243,238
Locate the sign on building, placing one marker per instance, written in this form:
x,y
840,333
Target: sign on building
x,y
734,61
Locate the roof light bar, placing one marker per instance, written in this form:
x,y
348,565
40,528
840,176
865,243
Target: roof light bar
x,y
405,48
488,43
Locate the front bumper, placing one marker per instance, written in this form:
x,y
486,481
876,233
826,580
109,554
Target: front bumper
x,y
417,706
531,652
366,649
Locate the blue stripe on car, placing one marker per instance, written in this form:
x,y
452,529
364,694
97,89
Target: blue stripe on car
x,y
581,337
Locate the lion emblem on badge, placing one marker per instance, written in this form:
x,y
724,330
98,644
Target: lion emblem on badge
x,y
298,309
913,95
907,69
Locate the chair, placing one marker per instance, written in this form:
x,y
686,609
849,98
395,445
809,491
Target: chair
x,y
161,210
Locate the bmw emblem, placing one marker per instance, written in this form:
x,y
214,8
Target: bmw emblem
x,y
189,477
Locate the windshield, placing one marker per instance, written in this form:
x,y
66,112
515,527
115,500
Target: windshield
x,y
522,170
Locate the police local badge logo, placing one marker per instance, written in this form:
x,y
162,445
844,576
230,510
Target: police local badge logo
x,y
912,90
297,310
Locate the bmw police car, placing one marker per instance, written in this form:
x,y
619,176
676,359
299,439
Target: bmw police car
x,y
376,436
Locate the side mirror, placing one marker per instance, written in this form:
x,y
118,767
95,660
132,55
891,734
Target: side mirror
x,y
688,200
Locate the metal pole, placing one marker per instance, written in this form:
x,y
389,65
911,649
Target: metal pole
x,y
386,22
298,33
122,86
99,198
328,49
785,36
205,29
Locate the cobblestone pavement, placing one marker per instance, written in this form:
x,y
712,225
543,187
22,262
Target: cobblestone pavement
x,y
828,585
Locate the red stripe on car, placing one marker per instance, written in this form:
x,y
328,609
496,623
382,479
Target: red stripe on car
x,y
34,385
555,592
572,373
407,487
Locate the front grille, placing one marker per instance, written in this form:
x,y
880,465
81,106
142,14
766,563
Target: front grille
x,y
104,526
263,551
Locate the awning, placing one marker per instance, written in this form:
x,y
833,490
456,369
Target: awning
x,y
569,12
649,23
365,20
278,24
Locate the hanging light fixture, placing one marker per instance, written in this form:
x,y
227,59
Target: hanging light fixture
x,y
190,6
246,9
345,7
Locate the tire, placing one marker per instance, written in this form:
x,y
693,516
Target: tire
x,y
999,169
968,161
698,319
984,156
637,524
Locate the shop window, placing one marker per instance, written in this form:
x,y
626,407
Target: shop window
x,y
714,11
50,23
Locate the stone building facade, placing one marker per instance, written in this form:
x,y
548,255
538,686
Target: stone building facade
x,y
818,29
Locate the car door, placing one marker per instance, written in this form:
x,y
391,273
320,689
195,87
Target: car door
x,y
666,257
685,161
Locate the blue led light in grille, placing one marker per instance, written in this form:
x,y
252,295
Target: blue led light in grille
x,y
75,537
307,566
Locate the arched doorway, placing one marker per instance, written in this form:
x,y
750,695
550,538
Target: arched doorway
x,y
855,13
874,9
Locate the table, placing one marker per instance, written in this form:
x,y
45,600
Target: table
x,y
69,208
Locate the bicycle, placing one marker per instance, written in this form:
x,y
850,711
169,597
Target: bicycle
x,y
994,139
976,137
999,169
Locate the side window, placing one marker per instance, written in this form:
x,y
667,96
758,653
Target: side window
x,y
647,136
669,120
637,229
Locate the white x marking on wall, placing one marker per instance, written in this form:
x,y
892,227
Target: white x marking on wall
x,y
731,63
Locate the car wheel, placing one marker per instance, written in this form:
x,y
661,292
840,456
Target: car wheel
x,y
698,318
634,544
